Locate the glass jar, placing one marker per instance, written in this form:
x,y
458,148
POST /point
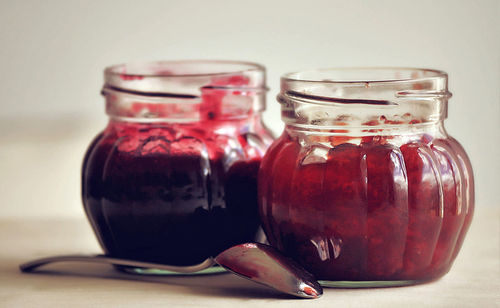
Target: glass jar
x,y
172,178
365,187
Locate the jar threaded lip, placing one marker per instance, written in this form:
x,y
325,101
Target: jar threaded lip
x,y
184,77
360,96
181,90
306,75
364,85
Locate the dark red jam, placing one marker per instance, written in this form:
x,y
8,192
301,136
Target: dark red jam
x,y
371,210
173,193
175,181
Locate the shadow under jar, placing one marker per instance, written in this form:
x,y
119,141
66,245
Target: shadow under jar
x,y
172,178
364,187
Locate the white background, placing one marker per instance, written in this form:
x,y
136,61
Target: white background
x,y
52,54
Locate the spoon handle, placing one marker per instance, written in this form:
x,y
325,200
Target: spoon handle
x,y
32,265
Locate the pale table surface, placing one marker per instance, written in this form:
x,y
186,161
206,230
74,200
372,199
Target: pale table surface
x,y
474,280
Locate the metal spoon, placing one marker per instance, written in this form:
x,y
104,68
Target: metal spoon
x,y
257,262
266,265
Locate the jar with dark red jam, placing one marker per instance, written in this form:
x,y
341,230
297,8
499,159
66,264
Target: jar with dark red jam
x,y
172,179
365,187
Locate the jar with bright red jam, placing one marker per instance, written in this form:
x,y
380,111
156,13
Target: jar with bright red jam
x,y
173,177
365,187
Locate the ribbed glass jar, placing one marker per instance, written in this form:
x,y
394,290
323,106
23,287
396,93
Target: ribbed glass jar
x,y
172,178
365,187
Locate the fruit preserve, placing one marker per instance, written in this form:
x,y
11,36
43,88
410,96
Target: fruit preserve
x,y
172,178
365,187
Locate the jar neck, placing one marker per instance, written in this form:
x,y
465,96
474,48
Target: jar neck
x,y
211,105
432,128
396,135
347,99
184,91
237,122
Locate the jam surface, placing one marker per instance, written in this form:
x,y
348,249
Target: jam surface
x,y
370,210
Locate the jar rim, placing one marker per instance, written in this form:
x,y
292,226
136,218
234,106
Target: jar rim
x,y
415,75
149,71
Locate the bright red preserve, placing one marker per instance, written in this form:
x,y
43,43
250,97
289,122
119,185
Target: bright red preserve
x,y
367,210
